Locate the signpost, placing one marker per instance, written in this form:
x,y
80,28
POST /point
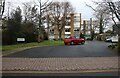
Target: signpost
x,y
20,39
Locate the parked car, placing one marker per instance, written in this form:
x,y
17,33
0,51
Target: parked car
x,y
73,40
108,39
112,39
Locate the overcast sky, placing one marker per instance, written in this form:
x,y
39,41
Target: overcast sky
x,y
79,5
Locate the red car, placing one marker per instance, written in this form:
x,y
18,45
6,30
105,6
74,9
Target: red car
x,y
73,40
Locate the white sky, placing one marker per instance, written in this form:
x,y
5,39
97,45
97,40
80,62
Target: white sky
x,y
79,5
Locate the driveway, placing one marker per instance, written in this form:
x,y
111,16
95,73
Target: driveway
x,y
89,49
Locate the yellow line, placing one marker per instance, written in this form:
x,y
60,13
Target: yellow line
x,y
81,71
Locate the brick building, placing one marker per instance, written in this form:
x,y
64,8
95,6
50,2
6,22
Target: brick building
x,y
74,26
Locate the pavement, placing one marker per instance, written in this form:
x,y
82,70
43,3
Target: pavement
x,y
60,64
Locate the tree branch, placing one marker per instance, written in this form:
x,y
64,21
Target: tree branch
x,y
42,8
91,7
113,9
115,21
44,4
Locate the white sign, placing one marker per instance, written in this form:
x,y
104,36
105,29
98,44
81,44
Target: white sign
x,y
20,39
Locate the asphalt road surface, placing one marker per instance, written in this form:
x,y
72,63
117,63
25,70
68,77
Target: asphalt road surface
x,y
89,49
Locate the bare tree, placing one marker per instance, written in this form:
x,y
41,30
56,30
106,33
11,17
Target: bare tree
x,y
102,15
2,7
26,9
113,9
59,11
31,13
42,6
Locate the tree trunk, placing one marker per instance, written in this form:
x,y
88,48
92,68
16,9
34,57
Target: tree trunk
x,y
39,38
119,41
48,26
91,30
60,34
101,25
84,24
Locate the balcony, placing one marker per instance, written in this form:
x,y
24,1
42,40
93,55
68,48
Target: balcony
x,y
67,32
67,27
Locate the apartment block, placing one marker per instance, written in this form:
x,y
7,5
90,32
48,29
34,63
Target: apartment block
x,y
73,27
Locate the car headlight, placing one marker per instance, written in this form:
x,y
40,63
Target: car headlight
x,y
82,39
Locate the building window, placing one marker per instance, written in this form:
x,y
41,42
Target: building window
x,y
74,16
67,36
76,30
52,30
67,30
67,17
68,23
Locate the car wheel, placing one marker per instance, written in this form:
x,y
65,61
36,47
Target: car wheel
x,y
65,43
72,43
82,42
111,41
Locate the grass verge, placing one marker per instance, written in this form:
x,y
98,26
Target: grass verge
x,y
114,47
21,45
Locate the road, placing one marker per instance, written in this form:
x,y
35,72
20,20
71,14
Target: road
x,y
93,55
89,49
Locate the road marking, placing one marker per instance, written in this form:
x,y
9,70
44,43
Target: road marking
x,y
81,71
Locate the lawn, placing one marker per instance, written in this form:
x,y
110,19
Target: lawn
x,y
20,45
